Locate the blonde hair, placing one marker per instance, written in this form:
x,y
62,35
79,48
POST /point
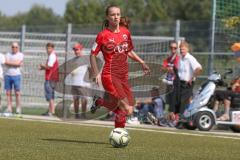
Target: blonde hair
x,y
185,44
235,47
15,44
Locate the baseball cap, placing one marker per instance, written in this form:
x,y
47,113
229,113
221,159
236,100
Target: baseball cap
x,y
77,46
236,49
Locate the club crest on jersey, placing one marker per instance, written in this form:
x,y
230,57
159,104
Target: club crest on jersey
x,y
125,37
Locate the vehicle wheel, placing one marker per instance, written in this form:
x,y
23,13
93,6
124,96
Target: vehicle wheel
x,y
235,128
204,121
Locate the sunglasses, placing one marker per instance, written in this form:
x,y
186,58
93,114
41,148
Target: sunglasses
x,y
14,47
173,47
76,49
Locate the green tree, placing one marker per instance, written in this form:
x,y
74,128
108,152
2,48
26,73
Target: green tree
x,y
82,12
37,15
40,15
143,11
140,11
11,23
225,8
189,9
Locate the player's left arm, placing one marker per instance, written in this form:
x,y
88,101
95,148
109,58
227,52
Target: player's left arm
x,y
197,69
136,58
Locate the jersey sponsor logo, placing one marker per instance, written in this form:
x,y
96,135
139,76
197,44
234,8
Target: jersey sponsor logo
x,y
94,47
112,47
123,47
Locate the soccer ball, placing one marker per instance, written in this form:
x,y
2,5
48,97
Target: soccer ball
x,y
119,137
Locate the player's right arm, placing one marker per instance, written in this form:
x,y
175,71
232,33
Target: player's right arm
x,y
51,60
93,60
94,67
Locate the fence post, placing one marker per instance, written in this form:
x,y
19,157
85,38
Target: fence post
x,y
22,38
68,38
177,30
211,56
67,50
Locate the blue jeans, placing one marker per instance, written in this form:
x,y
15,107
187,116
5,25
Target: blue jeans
x,y
12,81
49,90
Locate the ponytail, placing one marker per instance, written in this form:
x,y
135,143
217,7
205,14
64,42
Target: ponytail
x,y
105,24
125,22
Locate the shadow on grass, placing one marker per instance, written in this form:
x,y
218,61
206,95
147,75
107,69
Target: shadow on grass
x,y
73,141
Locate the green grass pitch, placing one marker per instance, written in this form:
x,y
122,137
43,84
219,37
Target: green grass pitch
x,y
32,140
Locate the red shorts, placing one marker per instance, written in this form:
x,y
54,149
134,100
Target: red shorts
x,y
117,89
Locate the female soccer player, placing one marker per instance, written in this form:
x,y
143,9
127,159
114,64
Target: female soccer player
x,y
116,45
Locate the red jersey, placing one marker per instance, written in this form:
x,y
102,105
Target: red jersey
x,y
115,48
171,60
51,74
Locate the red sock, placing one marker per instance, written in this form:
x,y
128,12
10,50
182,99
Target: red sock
x,y
110,104
120,118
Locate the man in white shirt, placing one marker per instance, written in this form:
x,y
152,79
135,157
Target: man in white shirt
x,y
77,82
12,77
2,61
188,69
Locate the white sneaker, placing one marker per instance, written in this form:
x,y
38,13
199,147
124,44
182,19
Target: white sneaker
x,y
7,114
167,81
133,120
18,110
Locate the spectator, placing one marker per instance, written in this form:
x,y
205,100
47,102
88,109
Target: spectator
x,y
77,80
158,107
142,109
227,96
170,62
2,61
12,78
188,69
158,103
51,77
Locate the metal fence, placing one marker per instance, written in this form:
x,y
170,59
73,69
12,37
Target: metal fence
x,y
150,40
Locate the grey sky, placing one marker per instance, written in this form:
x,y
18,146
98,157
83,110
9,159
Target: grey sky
x,y
12,7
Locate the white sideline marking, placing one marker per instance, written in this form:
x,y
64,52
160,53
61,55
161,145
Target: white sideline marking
x,y
159,130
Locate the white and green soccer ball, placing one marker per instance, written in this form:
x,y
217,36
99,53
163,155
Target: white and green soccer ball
x,y
119,137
